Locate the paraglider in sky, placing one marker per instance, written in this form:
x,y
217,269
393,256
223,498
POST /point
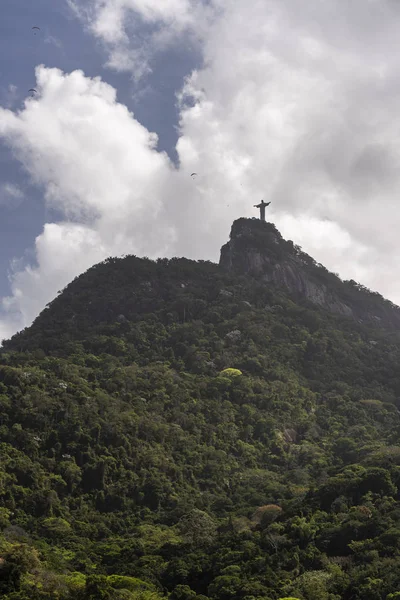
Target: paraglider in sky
x,y
33,90
35,28
193,174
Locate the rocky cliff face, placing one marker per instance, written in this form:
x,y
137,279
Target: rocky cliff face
x,y
258,249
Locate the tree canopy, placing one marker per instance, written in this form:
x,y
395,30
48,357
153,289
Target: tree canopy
x,y
133,465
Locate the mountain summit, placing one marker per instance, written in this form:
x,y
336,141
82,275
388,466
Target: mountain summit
x,y
256,257
256,248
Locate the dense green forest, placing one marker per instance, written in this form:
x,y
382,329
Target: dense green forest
x,y
168,430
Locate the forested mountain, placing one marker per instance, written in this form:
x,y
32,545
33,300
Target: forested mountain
x,y
185,430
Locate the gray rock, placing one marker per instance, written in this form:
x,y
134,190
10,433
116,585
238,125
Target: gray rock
x,y
290,435
257,248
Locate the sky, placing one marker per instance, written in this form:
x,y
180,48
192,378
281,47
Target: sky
x,y
271,99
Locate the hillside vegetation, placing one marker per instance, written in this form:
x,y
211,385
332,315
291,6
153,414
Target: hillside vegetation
x,y
170,430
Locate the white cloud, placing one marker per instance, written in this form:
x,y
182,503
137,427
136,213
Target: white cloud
x,y
93,158
50,39
8,95
134,31
63,251
297,104
11,196
99,167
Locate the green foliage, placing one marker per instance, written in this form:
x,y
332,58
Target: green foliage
x,y
136,464
229,372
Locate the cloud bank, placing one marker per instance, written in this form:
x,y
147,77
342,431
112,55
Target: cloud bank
x,y
294,104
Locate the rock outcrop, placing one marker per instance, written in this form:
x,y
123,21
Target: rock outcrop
x,y
257,248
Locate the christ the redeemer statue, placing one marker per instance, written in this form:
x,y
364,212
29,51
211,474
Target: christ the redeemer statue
x,y
262,206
